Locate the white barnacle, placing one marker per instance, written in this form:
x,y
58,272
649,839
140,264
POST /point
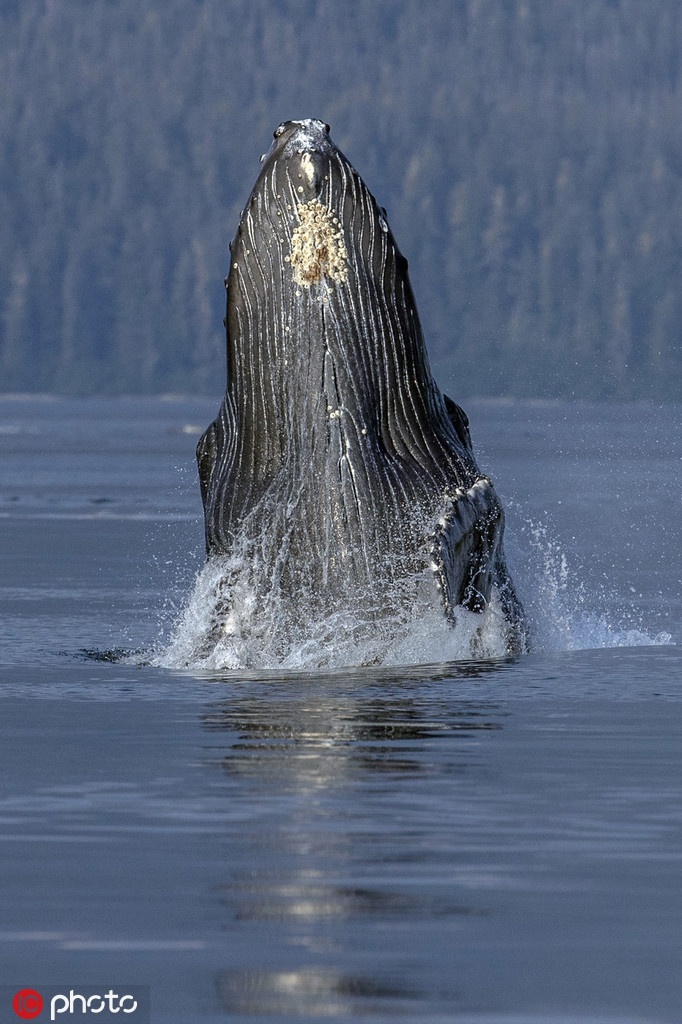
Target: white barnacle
x,y
317,247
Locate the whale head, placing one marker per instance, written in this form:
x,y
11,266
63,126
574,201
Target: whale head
x,y
336,468
321,320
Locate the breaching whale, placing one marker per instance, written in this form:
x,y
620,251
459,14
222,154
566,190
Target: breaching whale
x,y
336,475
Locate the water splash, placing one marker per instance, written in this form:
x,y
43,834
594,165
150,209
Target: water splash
x,y
565,615
213,633
227,625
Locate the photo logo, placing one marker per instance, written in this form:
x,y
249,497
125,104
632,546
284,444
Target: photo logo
x,y
98,1004
27,1003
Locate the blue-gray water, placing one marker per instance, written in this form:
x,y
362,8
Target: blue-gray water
x,y
498,843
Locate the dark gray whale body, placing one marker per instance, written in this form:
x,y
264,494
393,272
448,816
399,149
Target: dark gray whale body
x,y
336,471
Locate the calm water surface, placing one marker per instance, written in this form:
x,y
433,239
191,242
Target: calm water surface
x,y
483,843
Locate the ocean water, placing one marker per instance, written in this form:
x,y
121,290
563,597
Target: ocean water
x,y
429,839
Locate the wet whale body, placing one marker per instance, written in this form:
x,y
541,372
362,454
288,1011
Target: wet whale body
x,y
336,477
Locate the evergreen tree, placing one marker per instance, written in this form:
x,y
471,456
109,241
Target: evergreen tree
x,y
529,156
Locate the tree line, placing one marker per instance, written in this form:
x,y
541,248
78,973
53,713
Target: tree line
x,y
529,156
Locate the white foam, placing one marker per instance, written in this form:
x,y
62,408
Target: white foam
x,y
215,632
226,625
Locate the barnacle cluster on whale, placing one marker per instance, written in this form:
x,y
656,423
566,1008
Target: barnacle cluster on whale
x,y
318,251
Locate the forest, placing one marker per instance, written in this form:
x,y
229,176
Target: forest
x,y
529,155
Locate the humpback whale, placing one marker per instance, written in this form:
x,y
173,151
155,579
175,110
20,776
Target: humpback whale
x,y
336,475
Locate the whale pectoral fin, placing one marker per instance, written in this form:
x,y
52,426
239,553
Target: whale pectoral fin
x,y
465,547
459,420
207,454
